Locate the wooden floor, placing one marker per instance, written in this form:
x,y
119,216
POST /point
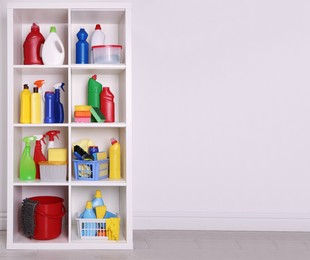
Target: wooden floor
x,y
192,245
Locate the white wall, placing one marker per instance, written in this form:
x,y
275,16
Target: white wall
x,y
221,114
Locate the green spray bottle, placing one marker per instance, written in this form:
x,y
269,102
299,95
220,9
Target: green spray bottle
x,y
27,168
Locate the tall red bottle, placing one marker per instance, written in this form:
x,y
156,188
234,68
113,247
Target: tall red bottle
x,y
32,46
107,104
38,155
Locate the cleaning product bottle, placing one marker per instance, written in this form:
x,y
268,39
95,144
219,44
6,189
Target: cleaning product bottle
x,y
49,111
94,90
89,227
115,160
25,105
97,38
37,108
53,51
58,108
27,167
97,201
38,155
82,47
32,46
107,104
51,137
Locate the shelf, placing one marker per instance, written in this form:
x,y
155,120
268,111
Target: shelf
x,y
18,182
104,125
42,125
105,69
107,182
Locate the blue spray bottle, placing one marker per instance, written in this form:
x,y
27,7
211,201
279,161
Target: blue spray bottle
x,y
58,107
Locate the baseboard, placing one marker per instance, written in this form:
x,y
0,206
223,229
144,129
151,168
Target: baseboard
x,y
221,221
3,217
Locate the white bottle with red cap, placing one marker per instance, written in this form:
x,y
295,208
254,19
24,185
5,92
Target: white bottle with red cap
x,y
97,39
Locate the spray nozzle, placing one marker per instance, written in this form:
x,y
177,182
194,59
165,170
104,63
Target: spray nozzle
x,y
51,134
60,85
29,139
40,85
40,138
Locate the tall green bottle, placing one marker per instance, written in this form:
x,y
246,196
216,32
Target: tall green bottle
x,y
27,168
94,90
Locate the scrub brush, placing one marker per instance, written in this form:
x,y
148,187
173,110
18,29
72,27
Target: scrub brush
x,y
28,215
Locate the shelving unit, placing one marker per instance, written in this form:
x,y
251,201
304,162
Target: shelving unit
x,y
115,20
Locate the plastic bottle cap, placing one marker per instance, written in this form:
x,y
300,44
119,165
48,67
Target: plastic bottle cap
x,y
35,27
98,27
113,141
26,86
94,77
89,205
53,29
35,90
98,194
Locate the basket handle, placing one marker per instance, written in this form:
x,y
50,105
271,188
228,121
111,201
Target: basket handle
x,y
54,217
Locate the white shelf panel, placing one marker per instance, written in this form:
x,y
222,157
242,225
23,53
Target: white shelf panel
x,y
105,69
18,182
105,125
106,182
42,125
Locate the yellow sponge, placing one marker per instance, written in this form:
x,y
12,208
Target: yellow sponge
x,y
57,155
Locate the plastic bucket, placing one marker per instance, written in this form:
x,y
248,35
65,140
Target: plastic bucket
x,y
48,217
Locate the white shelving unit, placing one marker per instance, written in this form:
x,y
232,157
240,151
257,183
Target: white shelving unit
x,y
115,20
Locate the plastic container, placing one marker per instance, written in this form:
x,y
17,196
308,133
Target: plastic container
x,y
49,111
58,108
91,228
48,217
107,54
25,105
91,170
53,51
107,106
38,155
53,171
97,38
35,107
82,47
115,160
27,166
97,201
32,46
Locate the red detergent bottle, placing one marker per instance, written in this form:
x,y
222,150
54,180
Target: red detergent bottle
x,y
107,104
32,46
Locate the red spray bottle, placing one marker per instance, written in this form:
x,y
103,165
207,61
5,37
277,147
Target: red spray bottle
x,y
32,46
107,104
38,155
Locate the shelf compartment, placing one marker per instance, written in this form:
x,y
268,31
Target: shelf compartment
x,y
22,192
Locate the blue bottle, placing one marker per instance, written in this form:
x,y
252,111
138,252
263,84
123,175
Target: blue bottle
x,y
89,228
82,47
58,108
49,113
97,201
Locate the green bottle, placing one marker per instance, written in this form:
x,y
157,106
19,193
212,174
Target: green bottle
x,y
27,170
94,90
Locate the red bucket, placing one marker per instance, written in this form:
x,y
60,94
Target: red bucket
x,y
48,217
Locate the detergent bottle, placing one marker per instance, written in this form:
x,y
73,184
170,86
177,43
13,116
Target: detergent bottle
x,y
97,201
32,46
53,51
49,111
97,39
37,108
38,155
51,137
115,160
58,108
107,104
25,105
82,47
89,227
94,90
27,168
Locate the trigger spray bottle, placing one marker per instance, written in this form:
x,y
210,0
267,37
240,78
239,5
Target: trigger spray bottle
x,y
37,108
51,140
38,155
58,107
27,168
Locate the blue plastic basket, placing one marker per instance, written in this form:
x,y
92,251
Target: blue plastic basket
x,y
91,170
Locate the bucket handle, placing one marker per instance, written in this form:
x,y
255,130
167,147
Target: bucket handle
x,y
54,217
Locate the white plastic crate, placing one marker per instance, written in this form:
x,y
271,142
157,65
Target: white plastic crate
x,y
53,171
91,228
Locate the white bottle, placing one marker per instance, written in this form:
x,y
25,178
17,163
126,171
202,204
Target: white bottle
x,y
97,39
53,51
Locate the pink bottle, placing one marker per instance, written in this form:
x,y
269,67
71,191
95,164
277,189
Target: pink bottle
x,y
107,104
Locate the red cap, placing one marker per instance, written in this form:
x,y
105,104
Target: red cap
x,y
94,76
98,27
35,27
113,141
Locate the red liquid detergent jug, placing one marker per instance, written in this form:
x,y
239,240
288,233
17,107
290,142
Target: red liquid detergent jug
x,y
107,104
32,46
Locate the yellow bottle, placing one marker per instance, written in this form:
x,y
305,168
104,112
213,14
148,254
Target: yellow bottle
x,y
115,160
35,107
25,107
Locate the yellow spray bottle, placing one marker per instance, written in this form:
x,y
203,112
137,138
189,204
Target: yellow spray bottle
x,y
36,102
115,160
27,168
